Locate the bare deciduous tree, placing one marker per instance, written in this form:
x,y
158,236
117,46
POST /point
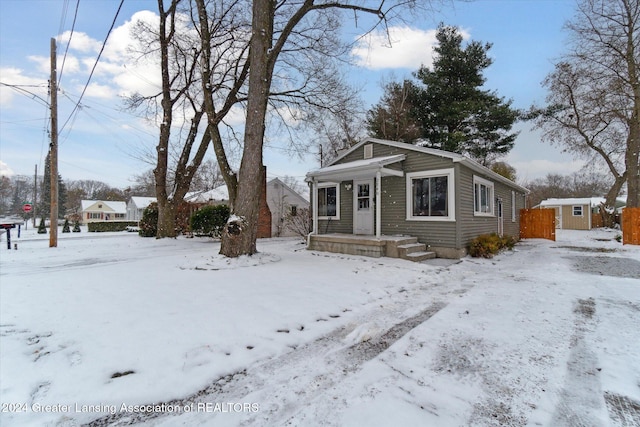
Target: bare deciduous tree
x,y
276,25
594,92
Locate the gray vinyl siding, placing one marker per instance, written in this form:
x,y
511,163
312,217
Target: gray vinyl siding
x,y
472,226
451,234
394,207
394,217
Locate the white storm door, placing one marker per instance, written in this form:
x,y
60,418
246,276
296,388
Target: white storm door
x,y
363,213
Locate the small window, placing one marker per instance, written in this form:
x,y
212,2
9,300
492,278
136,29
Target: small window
x,y
328,202
577,211
513,206
294,210
483,197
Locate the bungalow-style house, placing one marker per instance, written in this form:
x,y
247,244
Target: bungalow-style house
x,y
136,206
283,202
101,210
579,213
387,198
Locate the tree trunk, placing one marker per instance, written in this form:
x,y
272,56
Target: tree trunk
x,y
166,219
608,208
240,233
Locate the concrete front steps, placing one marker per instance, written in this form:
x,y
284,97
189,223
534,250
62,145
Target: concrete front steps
x,y
404,247
410,249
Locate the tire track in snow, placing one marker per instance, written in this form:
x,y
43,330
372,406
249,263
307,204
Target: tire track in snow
x,y
581,400
295,379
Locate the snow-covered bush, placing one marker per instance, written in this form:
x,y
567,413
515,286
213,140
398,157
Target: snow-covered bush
x,y
210,220
149,222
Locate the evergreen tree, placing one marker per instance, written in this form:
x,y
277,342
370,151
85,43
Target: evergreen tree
x,y
454,112
42,229
447,108
65,227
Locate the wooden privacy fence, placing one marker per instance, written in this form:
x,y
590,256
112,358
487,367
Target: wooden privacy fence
x,y
538,224
631,226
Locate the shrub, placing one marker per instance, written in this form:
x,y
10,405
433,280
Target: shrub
x,y
109,226
65,227
487,245
210,220
76,227
149,222
41,228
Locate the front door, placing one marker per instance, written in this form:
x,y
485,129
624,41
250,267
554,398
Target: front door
x,y
363,207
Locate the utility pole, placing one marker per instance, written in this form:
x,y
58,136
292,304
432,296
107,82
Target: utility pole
x,y
53,150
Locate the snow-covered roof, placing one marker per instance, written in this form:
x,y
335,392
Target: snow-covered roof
x,y
116,207
217,194
351,170
591,201
142,202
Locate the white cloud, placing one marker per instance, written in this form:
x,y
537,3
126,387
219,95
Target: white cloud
x,y
80,42
5,170
15,77
99,91
401,47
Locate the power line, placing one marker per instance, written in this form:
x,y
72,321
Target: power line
x,y
104,43
73,26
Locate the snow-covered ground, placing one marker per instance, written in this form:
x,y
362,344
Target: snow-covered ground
x,y
113,329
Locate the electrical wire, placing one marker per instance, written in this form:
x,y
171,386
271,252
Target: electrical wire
x,y
73,26
104,43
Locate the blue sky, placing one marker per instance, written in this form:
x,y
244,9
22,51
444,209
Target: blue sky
x,y
100,142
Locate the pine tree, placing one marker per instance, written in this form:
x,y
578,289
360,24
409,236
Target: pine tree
x,y
42,229
65,227
454,112
447,108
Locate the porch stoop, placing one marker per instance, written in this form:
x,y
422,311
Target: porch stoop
x,y
404,247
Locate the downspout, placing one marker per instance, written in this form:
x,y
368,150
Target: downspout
x,y
378,203
314,209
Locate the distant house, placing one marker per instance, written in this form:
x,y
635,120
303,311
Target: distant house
x,y
284,202
101,211
387,198
136,206
578,213
217,196
220,196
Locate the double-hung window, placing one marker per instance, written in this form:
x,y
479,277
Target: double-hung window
x,y
482,197
430,195
328,201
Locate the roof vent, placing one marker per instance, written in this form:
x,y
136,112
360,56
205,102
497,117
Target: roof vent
x,y
368,151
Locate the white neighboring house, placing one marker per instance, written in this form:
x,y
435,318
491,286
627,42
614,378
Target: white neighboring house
x,y
283,201
101,211
137,205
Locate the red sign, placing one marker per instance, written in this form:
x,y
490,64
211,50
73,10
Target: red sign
x,y
26,208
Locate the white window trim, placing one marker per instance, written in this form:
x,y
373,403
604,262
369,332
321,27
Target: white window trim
x,y
573,211
451,199
513,206
488,184
328,185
